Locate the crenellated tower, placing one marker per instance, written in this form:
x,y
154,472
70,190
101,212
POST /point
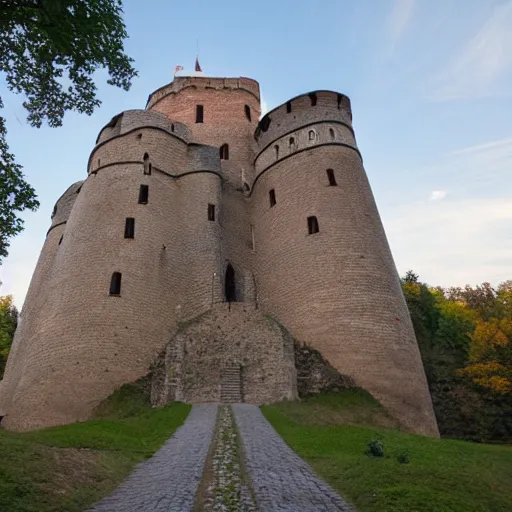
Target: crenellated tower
x,y
193,203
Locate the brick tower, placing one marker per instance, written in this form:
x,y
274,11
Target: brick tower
x,y
192,203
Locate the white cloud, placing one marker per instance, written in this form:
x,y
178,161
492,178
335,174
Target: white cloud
x,y
399,18
488,55
437,195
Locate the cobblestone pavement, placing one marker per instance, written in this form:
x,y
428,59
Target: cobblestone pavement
x,y
169,480
281,480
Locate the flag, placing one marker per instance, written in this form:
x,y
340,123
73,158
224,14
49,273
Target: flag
x,y
198,67
177,68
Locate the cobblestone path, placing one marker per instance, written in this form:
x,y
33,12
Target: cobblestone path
x,y
169,480
281,480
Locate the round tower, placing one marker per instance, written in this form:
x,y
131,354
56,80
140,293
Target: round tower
x,y
323,263
135,254
222,112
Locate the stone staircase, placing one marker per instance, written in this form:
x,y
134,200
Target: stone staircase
x,y
231,385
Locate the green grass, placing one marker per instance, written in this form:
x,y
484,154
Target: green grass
x,y
442,475
70,467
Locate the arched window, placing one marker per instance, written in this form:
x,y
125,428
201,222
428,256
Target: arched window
x,y
248,112
147,165
313,225
224,152
331,134
288,107
115,284
291,143
312,97
331,178
276,149
312,135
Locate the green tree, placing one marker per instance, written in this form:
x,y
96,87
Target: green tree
x,y
49,51
8,323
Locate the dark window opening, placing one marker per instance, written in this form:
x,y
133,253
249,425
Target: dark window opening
x,y
211,212
129,228
229,284
276,149
339,100
224,152
331,177
313,225
312,97
265,123
143,194
331,133
172,127
272,197
248,112
139,136
115,284
147,164
312,135
99,162
61,238
79,189
291,142
288,107
199,113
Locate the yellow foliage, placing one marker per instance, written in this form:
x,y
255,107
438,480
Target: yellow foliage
x,y
488,335
491,375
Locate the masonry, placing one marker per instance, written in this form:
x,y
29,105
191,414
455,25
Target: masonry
x,y
193,204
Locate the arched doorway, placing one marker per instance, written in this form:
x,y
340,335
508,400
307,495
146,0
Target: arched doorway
x,y
229,284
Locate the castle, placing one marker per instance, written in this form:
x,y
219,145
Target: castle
x,y
206,234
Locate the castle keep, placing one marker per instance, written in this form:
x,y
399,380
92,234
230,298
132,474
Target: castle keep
x,y
203,235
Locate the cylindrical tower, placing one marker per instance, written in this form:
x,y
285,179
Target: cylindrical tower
x,y
137,254
222,112
323,263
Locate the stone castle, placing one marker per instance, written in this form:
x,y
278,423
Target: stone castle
x,y
200,238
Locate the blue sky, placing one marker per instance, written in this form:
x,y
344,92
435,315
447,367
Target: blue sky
x,y
431,88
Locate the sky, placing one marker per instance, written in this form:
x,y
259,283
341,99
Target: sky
x,y
430,83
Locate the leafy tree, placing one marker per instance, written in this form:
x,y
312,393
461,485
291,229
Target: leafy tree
x,y
49,51
8,323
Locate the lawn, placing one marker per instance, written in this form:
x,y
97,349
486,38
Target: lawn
x,y
70,467
441,475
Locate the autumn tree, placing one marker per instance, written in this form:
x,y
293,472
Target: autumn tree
x,y
49,51
8,323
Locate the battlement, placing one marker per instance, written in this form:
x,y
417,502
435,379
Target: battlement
x,y
200,82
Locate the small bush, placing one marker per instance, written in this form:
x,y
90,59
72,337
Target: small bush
x,y
403,458
375,448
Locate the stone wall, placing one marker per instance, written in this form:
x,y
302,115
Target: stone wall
x,y
230,335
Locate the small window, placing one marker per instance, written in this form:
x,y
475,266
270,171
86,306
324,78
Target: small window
x,y
248,112
312,97
143,194
272,197
312,135
224,152
172,127
147,164
339,100
331,178
331,134
99,162
199,113
291,142
211,212
139,136
61,238
313,225
288,107
129,228
276,149
115,284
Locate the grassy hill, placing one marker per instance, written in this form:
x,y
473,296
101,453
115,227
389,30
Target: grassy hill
x,y
70,467
332,432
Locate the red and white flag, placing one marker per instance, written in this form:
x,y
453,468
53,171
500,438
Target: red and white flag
x,y
178,68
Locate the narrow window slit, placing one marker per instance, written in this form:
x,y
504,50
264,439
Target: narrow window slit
x,y
288,107
143,194
115,284
211,212
272,197
199,113
248,112
147,164
129,227
313,225
331,178
224,152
